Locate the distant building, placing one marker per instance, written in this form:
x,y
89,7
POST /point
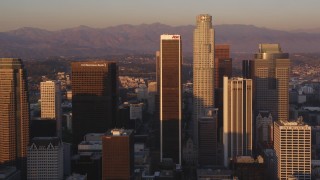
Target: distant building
x,y
51,103
142,92
292,145
237,118
45,158
94,97
136,111
247,69
152,91
14,114
118,154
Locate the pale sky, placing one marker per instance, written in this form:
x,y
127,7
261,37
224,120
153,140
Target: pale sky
x,y
60,14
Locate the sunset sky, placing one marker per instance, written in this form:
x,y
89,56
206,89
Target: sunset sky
x,y
59,14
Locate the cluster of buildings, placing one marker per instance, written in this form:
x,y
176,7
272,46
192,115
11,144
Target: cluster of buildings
x,y
240,126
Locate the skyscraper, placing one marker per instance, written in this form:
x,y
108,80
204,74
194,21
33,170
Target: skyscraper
x,y
203,69
94,101
208,138
292,145
14,113
237,118
247,69
271,81
222,67
45,158
222,64
117,154
51,102
170,97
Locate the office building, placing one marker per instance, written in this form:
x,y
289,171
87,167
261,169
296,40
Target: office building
x,y
94,97
152,92
248,168
292,145
203,69
50,99
51,102
222,67
247,67
88,163
264,130
208,139
45,158
237,118
14,113
222,64
170,97
118,154
271,69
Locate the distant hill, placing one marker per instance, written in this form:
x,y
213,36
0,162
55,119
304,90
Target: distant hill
x,y
84,41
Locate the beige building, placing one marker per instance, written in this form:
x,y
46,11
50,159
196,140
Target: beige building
x,y
203,69
14,113
237,118
292,145
271,81
51,102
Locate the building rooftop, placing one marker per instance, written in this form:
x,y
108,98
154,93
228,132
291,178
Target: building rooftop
x,y
119,132
45,141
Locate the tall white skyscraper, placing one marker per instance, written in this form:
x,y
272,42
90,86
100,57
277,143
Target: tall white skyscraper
x,y
203,69
237,118
51,102
292,145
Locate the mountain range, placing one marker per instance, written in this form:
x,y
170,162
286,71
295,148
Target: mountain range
x,y
85,41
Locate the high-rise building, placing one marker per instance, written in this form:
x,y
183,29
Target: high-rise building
x,y
292,145
14,113
208,139
50,99
222,67
222,64
247,69
203,69
118,154
45,158
170,97
271,81
94,97
51,102
237,118
264,130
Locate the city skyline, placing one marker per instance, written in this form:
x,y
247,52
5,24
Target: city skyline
x,y
59,14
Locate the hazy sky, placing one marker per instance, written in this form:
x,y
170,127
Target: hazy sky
x,y
59,14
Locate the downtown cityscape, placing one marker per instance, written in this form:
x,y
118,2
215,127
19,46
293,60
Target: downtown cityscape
x,y
192,109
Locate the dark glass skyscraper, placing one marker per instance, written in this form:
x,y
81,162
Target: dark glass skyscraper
x,y
170,97
271,81
94,99
14,113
